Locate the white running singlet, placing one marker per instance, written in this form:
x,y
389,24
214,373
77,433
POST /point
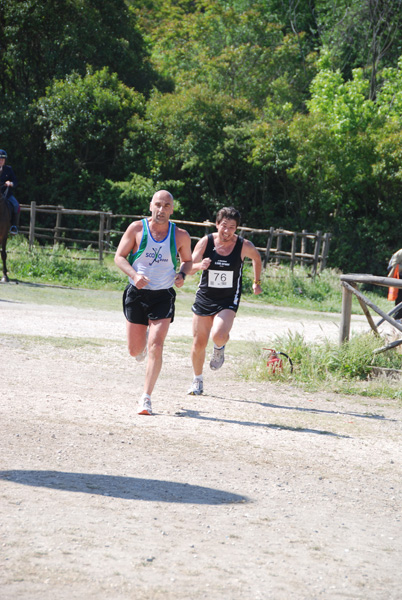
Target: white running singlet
x,y
156,260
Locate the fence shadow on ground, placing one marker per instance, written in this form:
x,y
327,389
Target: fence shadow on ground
x,y
196,414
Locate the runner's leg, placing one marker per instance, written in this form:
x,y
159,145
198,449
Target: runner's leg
x,y
136,338
223,323
157,334
201,330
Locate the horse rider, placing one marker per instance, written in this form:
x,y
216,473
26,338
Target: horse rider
x,y
8,181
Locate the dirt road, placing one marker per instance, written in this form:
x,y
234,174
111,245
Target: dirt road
x,y
20,318
252,491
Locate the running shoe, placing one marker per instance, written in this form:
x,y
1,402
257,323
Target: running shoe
x,y
141,357
218,358
144,406
13,230
196,388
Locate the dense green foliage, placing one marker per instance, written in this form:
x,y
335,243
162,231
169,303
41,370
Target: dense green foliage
x,y
289,110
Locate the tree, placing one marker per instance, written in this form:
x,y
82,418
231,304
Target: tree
x,y
362,33
43,40
85,122
235,51
191,143
337,153
47,39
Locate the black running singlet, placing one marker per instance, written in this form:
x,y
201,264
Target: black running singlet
x,y
220,284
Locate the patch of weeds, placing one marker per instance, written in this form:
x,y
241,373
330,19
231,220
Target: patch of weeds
x,y
344,369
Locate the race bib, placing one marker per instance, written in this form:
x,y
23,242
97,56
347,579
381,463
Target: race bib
x,y
220,279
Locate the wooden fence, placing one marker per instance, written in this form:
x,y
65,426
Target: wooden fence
x,y
349,288
279,245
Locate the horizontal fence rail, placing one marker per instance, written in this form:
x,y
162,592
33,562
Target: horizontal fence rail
x,y
49,223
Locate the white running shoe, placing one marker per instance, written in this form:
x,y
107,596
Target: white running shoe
x,y
141,357
145,406
218,358
196,388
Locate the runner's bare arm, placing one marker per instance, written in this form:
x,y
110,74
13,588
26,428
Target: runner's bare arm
x,y
130,241
250,251
200,263
183,243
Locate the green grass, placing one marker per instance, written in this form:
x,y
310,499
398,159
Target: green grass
x,y
58,265
345,369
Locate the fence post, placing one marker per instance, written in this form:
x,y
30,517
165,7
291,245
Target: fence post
x,y
303,246
101,232
108,228
293,257
32,225
325,251
278,246
316,253
344,330
268,248
58,224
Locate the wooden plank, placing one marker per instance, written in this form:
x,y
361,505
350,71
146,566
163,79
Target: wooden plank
x,y
278,246
32,225
344,330
57,228
368,316
100,239
362,278
316,253
389,373
269,246
293,253
325,251
303,245
388,347
390,313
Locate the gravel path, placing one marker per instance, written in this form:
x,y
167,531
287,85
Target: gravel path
x,y
252,491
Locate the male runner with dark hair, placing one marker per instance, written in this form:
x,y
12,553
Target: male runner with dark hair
x,y
220,256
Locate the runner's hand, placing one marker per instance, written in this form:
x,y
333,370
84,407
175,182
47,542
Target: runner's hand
x,y
179,280
205,263
140,281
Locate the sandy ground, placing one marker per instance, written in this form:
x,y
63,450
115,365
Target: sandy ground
x,y
20,318
252,491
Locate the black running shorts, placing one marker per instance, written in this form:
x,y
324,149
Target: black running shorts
x,y
140,306
206,307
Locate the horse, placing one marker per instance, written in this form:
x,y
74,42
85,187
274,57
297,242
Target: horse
x,y
4,229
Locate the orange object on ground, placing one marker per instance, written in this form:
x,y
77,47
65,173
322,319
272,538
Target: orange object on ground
x,y
393,291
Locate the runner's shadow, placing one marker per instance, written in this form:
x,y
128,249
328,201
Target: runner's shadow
x,y
127,488
195,414
308,410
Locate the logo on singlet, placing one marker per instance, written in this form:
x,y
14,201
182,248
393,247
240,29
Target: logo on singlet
x,y
156,256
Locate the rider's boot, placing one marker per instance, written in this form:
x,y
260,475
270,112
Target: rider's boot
x,y
14,218
14,228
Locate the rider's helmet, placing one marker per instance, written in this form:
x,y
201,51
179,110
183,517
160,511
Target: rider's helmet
x,y
3,154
